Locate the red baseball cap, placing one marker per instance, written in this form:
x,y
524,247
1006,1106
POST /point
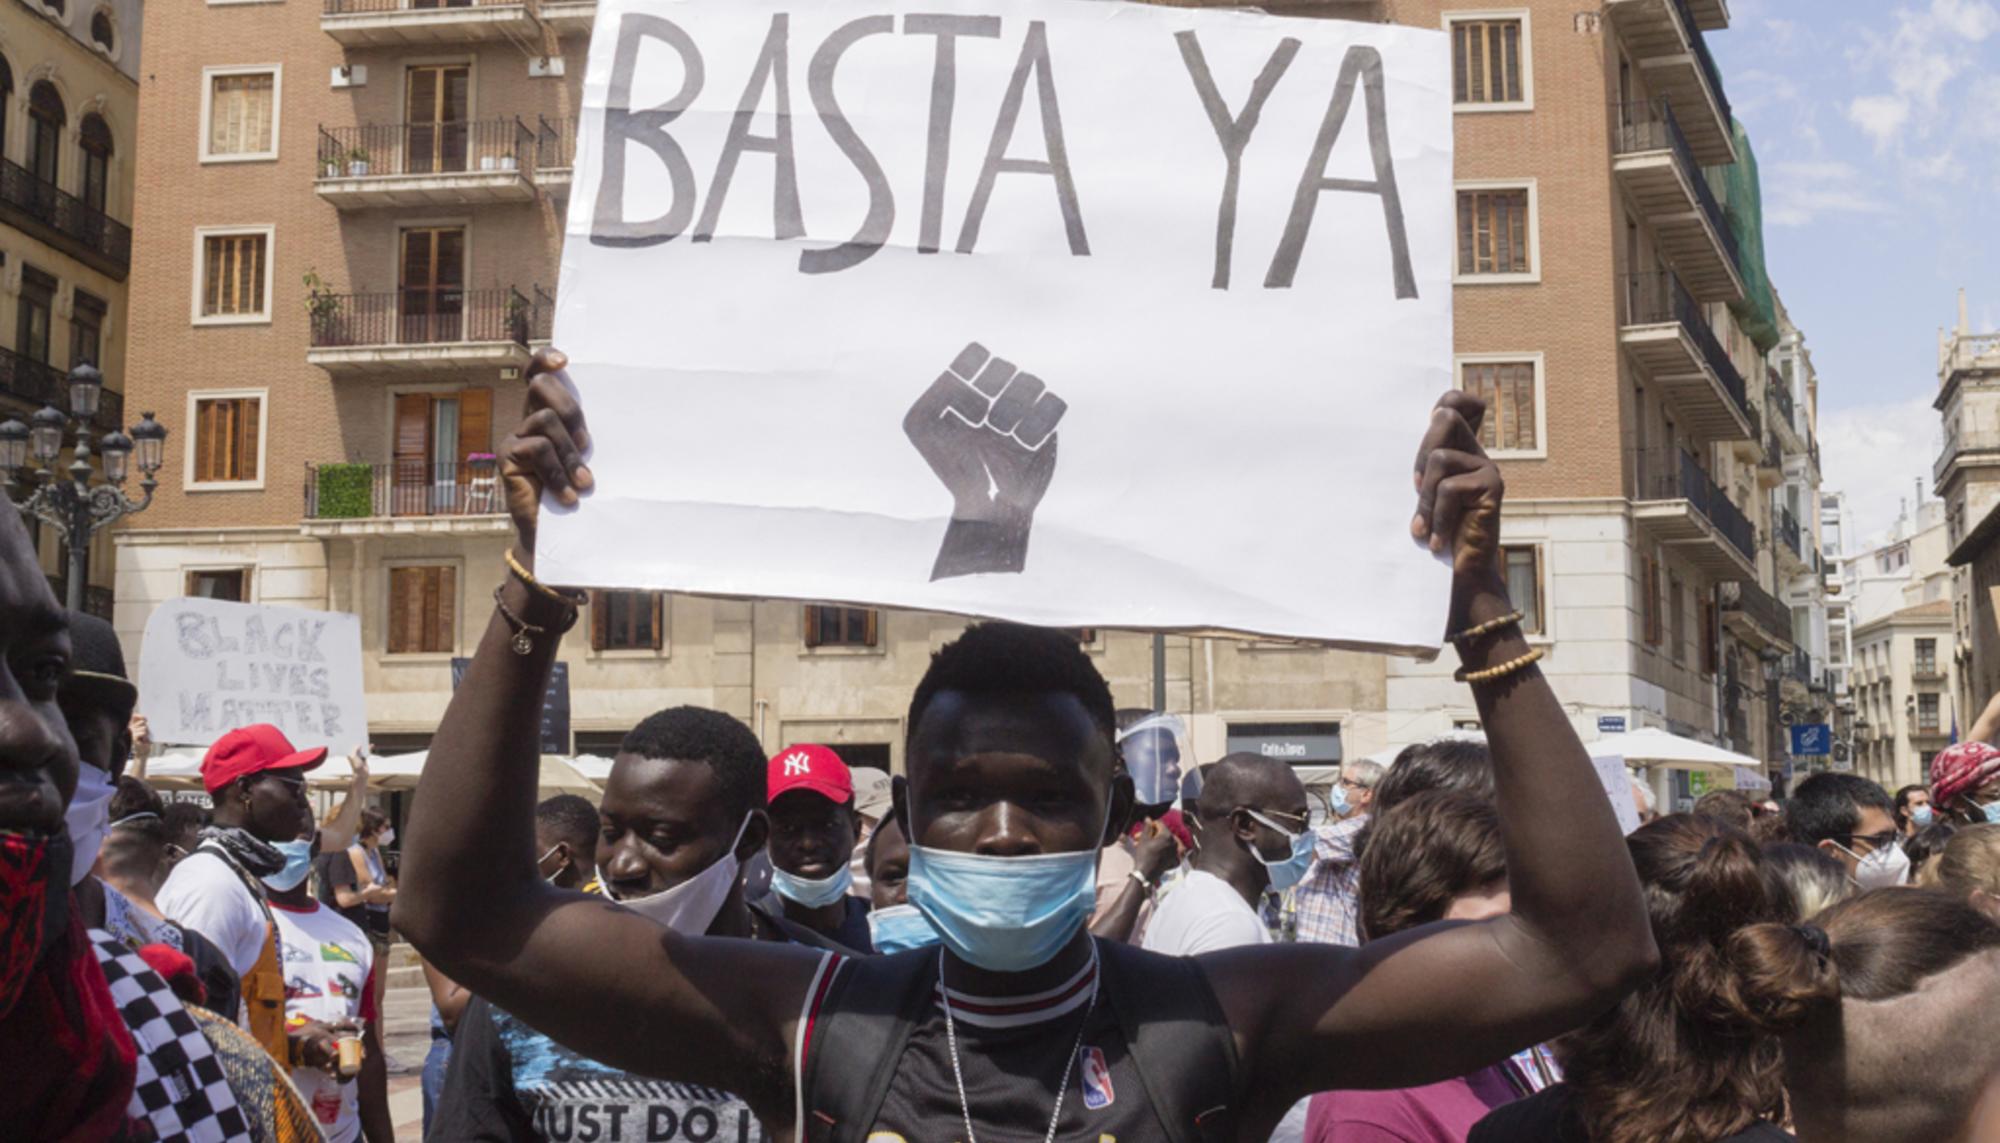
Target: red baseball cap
x,y
252,750
812,768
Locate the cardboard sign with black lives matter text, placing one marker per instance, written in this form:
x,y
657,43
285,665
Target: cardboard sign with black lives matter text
x,y
1073,312
209,666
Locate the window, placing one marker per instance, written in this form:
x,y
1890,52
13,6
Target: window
x,y
437,99
6,97
33,317
1927,657
1489,60
433,285
1927,714
45,125
228,435
219,583
1524,586
101,32
436,435
240,113
235,275
1676,619
86,328
626,620
1650,575
1711,651
1496,232
423,609
94,138
1510,389
839,626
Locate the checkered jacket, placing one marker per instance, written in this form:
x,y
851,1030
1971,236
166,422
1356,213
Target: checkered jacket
x,y
1328,901
180,1088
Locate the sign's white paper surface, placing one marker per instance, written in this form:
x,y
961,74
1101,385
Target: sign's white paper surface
x,y
1617,782
208,666
966,306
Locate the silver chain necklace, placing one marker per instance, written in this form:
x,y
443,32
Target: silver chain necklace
x,y
1069,1066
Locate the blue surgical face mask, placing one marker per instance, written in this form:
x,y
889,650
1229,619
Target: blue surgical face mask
x,y
809,892
1991,810
900,927
1338,802
1292,870
1922,815
1004,914
298,863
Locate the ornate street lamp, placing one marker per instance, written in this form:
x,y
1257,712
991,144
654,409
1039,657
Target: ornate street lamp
x,y
73,506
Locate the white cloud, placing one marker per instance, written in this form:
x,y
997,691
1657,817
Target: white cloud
x,y
1880,117
1927,51
1797,193
1874,454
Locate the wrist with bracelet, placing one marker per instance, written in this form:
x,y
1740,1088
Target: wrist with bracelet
x,y
538,600
1469,639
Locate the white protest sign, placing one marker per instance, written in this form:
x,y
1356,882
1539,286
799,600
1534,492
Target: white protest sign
x,y
209,666
1617,781
840,277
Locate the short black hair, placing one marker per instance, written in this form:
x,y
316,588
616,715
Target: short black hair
x,y
570,818
874,836
1829,806
184,820
372,820
1230,782
1013,658
698,734
1443,764
131,796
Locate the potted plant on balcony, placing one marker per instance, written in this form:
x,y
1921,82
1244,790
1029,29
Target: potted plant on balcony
x,y
322,307
357,163
331,166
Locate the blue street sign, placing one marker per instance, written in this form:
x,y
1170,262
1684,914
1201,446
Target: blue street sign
x,y
1812,738
1610,724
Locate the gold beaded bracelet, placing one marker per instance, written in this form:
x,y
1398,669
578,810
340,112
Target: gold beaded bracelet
x,y
1488,627
570,599
1490,674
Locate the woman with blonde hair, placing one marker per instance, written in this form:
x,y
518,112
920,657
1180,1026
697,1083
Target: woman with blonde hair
x,y
1969,868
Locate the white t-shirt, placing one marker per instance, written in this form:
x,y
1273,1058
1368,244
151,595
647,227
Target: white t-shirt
x,y
329,976
1203,914
204,894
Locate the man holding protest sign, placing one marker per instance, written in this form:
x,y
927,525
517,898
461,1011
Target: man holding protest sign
x,y
1009,795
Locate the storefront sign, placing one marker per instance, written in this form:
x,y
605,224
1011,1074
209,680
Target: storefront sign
x,y
1295,743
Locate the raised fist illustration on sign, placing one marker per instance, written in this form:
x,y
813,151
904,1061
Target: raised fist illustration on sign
x,y
989,432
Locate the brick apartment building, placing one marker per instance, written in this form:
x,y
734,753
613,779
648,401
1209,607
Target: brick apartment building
x,y
69,101
353,237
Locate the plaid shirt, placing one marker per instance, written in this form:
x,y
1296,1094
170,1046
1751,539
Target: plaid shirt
x,y
1328,901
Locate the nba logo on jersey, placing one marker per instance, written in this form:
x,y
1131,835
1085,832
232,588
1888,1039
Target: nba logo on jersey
x,y
1097,1093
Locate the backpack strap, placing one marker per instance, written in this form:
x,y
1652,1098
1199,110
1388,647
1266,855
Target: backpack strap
x,y
864,1024
1179,1039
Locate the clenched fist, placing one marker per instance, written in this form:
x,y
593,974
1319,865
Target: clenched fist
x,y
989,432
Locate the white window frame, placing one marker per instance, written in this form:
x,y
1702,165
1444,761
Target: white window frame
x,y
1534,274
209,75
1544,582
457,613
1527,100
1540,362
201,236
194,399
249,575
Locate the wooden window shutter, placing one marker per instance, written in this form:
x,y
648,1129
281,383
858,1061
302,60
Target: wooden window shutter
x,y
812,625
869,635
444,629
401,591
658,603
599,608
410,460
475,424
248,419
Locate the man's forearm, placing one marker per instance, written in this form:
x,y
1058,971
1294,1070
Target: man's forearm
x,y
1122,917
338,833
470,852
377,1125
1569,873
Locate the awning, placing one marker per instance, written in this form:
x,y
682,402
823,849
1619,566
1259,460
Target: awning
x,y
1652,746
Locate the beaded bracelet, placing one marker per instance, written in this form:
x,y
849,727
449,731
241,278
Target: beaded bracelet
x,y
1490,674
1488,627
570,599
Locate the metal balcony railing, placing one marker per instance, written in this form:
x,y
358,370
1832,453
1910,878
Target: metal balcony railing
x,y
1786,527
382,150
30,381
1774,453
542,316
1760,606
1780,398
1675,475
1924,725
402,488
1699,43
69,219
1657,298
360,7
555,143
420,317
1645,127
1798,666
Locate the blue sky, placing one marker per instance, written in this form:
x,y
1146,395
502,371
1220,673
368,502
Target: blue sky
x,y
1877,130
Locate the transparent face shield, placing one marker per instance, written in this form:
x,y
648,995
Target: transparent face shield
x,y
1153,748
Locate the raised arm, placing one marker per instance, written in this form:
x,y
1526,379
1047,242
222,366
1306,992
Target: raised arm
x,y
1440,1001
1986,728
340,829
593,975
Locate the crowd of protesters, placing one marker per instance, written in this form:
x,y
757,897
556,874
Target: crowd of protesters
x,y
1057,923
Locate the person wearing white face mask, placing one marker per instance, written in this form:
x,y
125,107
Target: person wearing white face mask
x,y
1251,834
1854,821
813,827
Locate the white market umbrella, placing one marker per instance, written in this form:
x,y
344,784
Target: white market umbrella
x,y
1652,746
403,771
175,771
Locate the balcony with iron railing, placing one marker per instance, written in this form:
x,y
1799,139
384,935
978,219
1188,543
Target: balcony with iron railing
x,y
1664,38
415,330
1927,670
1778,397
1653,162
426,164
1683,509
363,23
1667,333
405,495
45,211
26,385
1925,725
1755,614
555,153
